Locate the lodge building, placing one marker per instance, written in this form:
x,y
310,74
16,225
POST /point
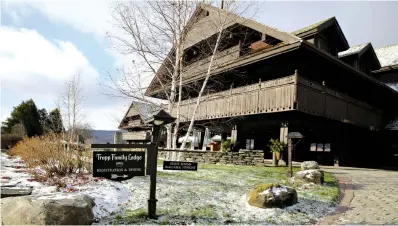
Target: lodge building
x,y
266,83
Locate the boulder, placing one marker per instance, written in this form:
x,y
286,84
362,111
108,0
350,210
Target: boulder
x,y
309,165
272,196
47,210
310,176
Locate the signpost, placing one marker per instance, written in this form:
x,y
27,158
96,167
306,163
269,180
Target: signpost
x,y
123,165
118,165
290,147
186,166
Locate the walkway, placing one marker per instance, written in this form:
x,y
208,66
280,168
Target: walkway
x,y
371,196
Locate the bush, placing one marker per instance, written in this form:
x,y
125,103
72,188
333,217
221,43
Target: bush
x,y
48,153
227,145
276,145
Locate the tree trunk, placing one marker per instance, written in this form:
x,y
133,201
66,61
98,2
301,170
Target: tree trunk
x,y
204,85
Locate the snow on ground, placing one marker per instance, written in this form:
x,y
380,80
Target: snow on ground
x,y
108,195
215,195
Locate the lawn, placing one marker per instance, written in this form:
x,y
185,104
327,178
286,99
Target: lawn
x,y
216,194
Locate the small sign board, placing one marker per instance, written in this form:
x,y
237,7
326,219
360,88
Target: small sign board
x,y
173,165
118,165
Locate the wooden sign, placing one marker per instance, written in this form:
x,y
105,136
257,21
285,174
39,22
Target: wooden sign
x,y
118,165
172,165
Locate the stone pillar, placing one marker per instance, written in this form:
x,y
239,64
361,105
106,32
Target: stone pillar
x,y
234,134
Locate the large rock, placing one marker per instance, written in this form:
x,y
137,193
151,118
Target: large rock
x,y
271,196
47,210
309,165
310,176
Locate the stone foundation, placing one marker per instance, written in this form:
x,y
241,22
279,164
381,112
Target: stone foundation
x,y
243,157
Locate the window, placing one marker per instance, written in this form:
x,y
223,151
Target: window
x,y
313,147
320,147
250,144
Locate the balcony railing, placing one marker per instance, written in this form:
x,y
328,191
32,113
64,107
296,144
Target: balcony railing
x,y
138,135
263,97
201,66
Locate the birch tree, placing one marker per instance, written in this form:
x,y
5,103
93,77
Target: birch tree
x,y
72,102
154,35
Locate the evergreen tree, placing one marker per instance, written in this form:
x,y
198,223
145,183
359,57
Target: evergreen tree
x,y
44,120
27,114
55,121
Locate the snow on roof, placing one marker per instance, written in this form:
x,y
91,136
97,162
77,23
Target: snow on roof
x,y
353,50
387,55
393,124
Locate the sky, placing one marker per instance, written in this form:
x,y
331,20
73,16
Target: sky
x,y
43,43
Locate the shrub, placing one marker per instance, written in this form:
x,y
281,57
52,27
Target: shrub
x,y
227,145
48,153
276,145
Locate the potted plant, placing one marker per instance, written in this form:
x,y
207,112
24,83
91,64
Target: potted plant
x,y
276,147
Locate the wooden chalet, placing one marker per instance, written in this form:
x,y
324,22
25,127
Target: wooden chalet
x,y
267,83
134,122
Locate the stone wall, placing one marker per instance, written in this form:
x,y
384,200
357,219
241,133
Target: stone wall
x,y
243,157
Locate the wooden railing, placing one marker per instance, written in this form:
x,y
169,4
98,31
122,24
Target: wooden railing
x,y
201,66
263,97
139,135
315,99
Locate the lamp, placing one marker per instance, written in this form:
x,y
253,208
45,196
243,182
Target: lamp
x,y
157,120
290,136
160,118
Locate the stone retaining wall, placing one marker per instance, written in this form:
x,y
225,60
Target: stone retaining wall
x,y
243,157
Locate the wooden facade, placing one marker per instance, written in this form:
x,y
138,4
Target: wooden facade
x,y
283,94
309,81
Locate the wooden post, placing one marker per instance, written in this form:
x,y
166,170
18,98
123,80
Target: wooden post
x,y
289,149
153,155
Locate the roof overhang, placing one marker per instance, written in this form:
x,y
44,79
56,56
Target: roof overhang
x,y
334,59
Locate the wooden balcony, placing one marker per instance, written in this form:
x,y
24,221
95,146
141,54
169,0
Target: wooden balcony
x,y
284,94
263,97
315,99
221,58
138,135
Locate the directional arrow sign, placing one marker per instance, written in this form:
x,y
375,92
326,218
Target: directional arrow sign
x,y
118,165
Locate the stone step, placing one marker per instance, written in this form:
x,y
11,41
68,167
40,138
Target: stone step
x,y
12,191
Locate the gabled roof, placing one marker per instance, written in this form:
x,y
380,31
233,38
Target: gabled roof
x,y
320,26
312,26
276,33
388,55
144,110
233,19
353,50
359,50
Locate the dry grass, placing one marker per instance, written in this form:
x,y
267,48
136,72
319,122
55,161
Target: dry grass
x,y
48,153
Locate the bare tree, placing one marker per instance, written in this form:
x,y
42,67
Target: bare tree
x,y
71,103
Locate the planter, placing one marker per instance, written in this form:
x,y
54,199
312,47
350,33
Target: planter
x,y
278,155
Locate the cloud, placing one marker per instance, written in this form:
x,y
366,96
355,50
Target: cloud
x,y
35,67
87,16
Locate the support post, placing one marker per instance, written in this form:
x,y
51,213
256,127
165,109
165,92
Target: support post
x,y
289,150
153,170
